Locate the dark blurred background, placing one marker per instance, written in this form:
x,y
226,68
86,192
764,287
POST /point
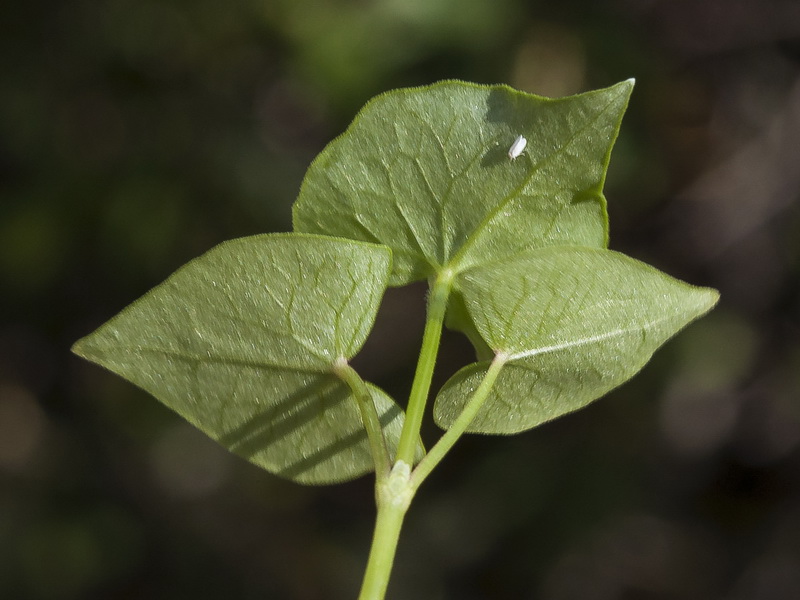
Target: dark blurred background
x,y
136,134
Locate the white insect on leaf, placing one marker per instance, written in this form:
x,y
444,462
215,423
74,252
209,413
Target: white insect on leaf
x,y
517,147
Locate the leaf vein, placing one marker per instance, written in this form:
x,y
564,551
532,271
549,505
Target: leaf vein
x,y
517,192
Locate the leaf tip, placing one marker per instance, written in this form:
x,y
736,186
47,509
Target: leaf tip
x,y
79,348
712,297
704,299
86,349
625,87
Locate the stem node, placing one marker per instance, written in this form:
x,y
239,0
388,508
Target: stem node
x,y
397,490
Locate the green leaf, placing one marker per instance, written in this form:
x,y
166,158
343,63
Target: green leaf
x,y
571,324
241,342
426,172
459,319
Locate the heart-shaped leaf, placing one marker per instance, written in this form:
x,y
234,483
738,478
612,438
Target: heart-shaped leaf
x,y
427,172
242,341
570,324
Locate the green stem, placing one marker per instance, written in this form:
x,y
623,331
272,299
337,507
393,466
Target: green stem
x,y
459,426
394,494
369,416
437,306
393,497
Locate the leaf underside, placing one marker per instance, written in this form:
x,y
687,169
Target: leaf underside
x,y
426,172
573,323
241,343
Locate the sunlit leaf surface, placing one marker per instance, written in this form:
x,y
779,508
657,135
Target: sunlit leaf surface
x,y
426,171
241,342
573,323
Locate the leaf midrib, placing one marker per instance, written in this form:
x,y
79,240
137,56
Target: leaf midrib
x,y
589,340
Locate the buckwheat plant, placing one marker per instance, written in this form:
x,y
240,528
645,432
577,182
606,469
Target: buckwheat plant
x,y
492,196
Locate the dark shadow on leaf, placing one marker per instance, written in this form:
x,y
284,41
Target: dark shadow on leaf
x,y
341,445
322,394
496,155
507,108
256,434
504,106
588,195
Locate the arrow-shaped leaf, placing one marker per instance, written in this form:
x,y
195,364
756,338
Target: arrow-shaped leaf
x,y
570,324
241,342
427,172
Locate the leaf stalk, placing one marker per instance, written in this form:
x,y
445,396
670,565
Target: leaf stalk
x,y
420,388
369,416
459,426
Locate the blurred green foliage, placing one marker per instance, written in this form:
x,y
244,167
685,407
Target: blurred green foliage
x,y
136,135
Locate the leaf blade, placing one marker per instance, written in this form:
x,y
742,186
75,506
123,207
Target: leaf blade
x,y
573,323
426,172
247,333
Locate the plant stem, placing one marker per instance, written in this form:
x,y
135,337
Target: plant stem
x,y
369,417
381,554
459,426
437,305
393,497
394,493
